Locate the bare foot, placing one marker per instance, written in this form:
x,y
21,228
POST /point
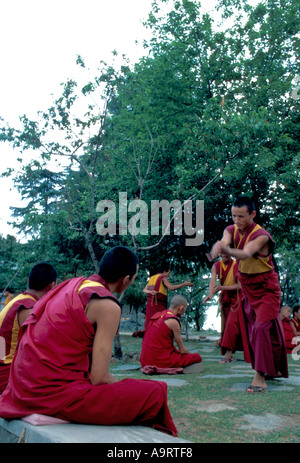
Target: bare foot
x,y
258,384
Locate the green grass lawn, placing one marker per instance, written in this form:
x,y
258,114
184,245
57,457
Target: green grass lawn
x,y
213,406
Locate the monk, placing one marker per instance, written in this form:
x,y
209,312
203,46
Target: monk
x,y
158,348
285,317
252,246
42,278
51,373
233,330
295,321
157,291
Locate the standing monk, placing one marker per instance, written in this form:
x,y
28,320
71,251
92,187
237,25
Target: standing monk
x,y
51,372
233,330
42,278
252,246
157,291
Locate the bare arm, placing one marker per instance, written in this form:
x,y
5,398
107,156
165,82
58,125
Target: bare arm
x,y
175,327
23,314
172,287
212,285
296,333
105,313
146,290
259,244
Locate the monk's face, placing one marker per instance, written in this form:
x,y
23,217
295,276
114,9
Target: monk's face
x,y
286,312
242,218
225,258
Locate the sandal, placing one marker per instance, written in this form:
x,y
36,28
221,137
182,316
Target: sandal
x,y
226,360
251,389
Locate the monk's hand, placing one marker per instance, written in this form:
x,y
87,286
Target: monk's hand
x,y
188,283
208,298
216,289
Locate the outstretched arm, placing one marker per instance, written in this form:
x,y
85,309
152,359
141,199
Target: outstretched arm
x,y
172,287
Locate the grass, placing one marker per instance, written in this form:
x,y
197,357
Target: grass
x,y
189,404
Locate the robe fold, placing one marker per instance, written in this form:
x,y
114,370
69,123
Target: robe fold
x,y
158,347
158,302
50,370
261,305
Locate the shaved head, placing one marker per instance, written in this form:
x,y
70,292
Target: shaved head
x,y
178,300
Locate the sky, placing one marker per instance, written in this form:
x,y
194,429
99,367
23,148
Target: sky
x,y
40,40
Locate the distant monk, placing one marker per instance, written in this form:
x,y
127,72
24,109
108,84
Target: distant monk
x,y
233,330
157,291
158,347
295,321
285,316
253,246
51,373
42,278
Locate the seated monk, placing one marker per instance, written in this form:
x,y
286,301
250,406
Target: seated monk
x,y
295,321
42,278
285,314
158,347
75,322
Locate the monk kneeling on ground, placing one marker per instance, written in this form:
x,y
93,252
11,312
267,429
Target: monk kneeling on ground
x,y
158,348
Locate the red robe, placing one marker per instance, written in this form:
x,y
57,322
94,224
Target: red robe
x,y
234,334
158,347
50,370
158,302
261,305
9,331
288,335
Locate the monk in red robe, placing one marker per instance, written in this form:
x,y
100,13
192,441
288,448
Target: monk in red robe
x,y
157,291
233,329
158,348
42,278
290,339
51,372
252,246
295,321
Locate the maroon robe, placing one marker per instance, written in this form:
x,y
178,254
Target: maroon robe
x,y
234,333
50,370
288,335
158,347
261,305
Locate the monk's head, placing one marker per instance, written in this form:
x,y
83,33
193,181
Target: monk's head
x,y
42,277
285,312
161,267
178,305
296,312
243,212
119,266
225,257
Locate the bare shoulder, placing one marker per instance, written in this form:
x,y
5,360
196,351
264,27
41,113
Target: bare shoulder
x,y
100,309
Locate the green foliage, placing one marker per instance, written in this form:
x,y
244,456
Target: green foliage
x,y
208,113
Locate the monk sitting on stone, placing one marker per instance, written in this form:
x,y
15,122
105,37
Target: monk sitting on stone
x,y
158,348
